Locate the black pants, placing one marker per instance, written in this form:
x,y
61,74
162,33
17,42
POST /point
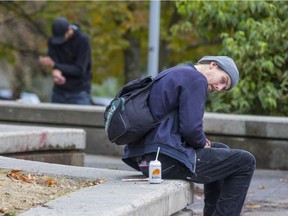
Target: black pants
x,y
226,174
80,98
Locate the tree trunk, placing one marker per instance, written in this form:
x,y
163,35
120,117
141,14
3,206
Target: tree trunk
x,y
132,56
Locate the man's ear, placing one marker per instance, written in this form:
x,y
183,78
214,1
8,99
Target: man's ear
x,y
212,65
70,32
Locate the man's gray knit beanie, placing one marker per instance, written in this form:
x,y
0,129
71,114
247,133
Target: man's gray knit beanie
x,y
226,64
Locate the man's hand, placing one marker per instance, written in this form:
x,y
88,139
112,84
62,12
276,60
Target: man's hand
x,y
58,78
46,61
208,144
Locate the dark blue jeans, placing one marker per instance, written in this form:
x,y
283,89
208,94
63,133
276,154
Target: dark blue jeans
x,y
81,98
226,174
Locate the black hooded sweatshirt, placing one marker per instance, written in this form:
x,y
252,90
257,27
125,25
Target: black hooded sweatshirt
x,y
73,59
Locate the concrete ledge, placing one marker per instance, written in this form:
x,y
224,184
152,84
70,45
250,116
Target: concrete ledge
x,y
257,134
270,154
246,125
55,114
58,145
24,138
113,198
88,118
74,158
92,116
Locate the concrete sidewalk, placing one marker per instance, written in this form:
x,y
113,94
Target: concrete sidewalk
x,y
267,195
112,198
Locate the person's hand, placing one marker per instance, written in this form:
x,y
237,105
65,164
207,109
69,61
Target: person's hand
x,y
46,61
208,144
58,78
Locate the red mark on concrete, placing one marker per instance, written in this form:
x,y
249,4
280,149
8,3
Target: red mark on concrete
x,y
43,138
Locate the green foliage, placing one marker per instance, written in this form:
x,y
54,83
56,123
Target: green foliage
x,y
27,26
105,25
254,34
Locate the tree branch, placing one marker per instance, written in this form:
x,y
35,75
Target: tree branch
x,y
18,10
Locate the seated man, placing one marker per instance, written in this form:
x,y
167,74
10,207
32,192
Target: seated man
x,y
186,153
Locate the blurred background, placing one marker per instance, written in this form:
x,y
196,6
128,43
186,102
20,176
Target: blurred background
x,y
253,33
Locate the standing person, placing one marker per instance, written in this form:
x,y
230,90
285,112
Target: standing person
x,y
69,57
185,151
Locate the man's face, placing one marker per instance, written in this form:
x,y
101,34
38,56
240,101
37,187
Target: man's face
x,y
67,35
218,79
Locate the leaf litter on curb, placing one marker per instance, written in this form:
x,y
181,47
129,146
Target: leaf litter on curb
x,y
21,191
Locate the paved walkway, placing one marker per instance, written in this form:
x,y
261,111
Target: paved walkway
x,y
267,196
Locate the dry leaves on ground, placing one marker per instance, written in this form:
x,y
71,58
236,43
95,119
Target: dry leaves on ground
x,y
20,191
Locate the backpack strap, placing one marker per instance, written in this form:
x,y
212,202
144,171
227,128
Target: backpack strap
x,y
165,72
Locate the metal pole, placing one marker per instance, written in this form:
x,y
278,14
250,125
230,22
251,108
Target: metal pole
x,y
153,54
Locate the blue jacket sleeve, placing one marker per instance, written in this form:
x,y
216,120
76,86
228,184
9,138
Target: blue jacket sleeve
x,y
191,113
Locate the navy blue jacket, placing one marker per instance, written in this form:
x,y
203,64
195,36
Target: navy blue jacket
x,y
183,89
73,58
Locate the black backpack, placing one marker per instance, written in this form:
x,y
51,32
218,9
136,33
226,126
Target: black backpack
x,y
127,118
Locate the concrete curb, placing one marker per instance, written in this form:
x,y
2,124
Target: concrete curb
x,y
113,198
14,138
46,144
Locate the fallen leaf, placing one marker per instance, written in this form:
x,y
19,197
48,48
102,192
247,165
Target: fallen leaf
x,y
253,205
101,181
3,210
50,182
15,171
261,187
251,192
16,174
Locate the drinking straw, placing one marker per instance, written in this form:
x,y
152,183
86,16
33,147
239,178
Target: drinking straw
x,y
157,153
